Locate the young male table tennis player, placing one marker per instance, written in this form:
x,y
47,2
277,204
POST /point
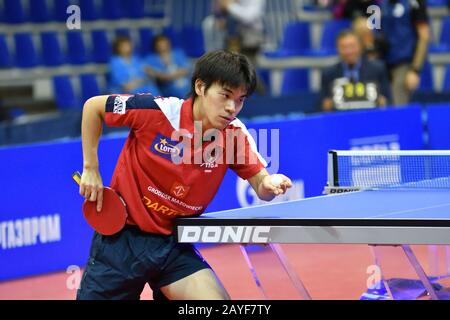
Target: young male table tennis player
x,y
156,189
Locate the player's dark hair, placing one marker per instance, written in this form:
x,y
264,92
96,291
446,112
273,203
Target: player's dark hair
x,y
225,68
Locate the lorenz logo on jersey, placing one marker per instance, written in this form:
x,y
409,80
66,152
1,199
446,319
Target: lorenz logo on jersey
x,y
166,148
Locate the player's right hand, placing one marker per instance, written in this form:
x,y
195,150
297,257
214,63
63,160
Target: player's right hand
x,y
91,187
412,80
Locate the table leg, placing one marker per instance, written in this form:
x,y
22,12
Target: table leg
x,y
418,268
252,270
298,284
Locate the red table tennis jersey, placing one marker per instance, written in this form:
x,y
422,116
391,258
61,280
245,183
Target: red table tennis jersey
x,y
161,172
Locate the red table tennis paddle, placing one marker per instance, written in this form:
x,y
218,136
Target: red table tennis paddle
x,y
113,216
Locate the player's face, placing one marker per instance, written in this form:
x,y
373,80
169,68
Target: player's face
x,y
221,104
349,49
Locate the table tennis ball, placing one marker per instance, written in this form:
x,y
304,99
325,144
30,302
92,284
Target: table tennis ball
x,y
276,179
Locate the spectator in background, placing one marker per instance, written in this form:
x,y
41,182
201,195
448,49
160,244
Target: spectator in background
x,y
374,44
405,26
126,71
338,8
357,8
244,23
235,20
169,66
354,82
237,26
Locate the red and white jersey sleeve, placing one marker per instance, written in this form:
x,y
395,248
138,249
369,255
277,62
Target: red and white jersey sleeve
x,y
130,110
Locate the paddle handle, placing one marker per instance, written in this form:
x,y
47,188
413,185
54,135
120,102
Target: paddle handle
x,y
76,176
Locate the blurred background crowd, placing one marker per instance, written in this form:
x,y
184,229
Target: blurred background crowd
x,y
311,56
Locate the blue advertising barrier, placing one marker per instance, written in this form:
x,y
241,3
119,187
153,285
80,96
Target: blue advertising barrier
x,y
41,225
438,126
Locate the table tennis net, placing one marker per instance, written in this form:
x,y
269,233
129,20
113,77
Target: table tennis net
x,y
390,169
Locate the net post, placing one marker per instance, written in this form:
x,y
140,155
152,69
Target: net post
x,y
333,180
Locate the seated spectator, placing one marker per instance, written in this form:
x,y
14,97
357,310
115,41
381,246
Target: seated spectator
x,y
126,71
170,67
354,82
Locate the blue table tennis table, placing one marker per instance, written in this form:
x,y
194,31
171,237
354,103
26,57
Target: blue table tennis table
x,y
369,217
397,216
375,217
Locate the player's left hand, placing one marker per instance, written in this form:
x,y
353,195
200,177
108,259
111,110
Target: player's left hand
x,y
276,184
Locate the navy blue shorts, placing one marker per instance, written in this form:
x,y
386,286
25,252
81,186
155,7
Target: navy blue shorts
x,y
120,265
